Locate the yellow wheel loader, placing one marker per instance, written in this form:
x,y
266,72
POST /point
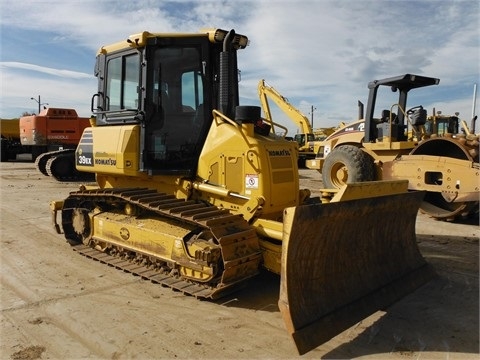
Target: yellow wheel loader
x,y
403,143
196,193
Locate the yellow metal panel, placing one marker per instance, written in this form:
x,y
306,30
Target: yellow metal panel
x,y
280,162
233,170
272,256
370,189
280,177
149,236
458,180
109,150
10,128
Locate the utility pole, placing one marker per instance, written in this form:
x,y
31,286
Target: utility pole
x,y
311,113
39,103
474,117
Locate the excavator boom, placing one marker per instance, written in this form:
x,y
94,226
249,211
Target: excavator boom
x,y
266,91
306,137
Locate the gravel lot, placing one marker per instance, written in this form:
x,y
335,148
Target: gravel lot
x,y
56,304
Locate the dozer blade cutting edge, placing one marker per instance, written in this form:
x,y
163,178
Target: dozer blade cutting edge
x,y
343,261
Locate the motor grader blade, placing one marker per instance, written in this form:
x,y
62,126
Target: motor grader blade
x,y
343,261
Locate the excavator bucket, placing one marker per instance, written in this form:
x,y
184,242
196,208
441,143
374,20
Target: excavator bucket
x,y
342,261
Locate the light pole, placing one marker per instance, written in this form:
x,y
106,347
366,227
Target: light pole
x,y
313,109
39,103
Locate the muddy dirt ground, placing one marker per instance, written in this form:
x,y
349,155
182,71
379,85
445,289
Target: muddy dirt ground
x,y
56,304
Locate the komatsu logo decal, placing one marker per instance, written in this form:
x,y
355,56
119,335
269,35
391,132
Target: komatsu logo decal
x,y
108,161
282,152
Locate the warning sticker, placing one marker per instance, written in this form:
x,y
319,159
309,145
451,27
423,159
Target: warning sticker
x,y
251,181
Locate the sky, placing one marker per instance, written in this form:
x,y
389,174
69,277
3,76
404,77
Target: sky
x,y
319,54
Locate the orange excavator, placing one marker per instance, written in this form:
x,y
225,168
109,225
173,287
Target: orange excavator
x,y
53,136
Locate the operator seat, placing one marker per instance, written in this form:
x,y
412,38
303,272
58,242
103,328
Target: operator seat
x,y
390,129
385,117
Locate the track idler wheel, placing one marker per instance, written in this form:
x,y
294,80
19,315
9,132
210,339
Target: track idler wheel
x,y
81,224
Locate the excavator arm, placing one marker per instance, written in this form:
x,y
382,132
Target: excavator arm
x,y
266,91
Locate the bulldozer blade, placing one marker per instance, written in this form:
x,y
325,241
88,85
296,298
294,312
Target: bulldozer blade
x,y
343,261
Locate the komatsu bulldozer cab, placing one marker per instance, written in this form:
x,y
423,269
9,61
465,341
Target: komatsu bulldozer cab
x,y
163,83
168,117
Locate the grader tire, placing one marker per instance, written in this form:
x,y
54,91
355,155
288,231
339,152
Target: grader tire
x,y
347,164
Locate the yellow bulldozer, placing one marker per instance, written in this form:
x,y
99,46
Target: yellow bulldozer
x,y
404,143
197,193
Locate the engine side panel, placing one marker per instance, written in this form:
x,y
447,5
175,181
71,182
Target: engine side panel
x,y
109,150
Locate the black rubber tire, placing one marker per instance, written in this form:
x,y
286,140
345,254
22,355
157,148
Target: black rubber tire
x,y
347,164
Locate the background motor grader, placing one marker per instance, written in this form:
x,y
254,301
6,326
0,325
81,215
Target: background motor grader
x,y
196,193
403,143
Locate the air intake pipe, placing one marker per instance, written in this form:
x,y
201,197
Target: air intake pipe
x,y
228,91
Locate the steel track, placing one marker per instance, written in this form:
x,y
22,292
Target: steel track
x,y
238,240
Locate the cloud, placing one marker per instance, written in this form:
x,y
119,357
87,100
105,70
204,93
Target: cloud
x,y
320,53
45,70
58,88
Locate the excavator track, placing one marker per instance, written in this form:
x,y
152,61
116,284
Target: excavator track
x,y
61,166
41,162
239,244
